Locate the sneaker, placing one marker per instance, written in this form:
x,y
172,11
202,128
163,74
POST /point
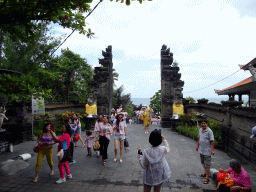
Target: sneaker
x,y
72,162
61,180
69,176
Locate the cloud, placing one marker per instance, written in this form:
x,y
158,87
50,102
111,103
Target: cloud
x,y
208,39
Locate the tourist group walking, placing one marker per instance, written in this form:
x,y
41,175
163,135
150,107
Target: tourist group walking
x,y
152,159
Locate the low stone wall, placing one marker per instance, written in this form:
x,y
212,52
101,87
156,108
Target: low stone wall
x,y
59,108
236,127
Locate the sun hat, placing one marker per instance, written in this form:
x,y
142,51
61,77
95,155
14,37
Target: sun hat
x,y
155,138
143,108
253,132
118,115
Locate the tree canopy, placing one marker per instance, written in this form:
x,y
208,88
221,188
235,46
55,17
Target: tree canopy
x,y
21,18
155,102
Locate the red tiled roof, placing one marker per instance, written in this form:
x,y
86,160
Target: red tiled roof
x,y
245,67
245,81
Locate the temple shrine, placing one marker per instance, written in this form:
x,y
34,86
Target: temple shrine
x,y
245,87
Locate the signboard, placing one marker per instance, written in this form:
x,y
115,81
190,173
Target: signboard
x,y
38,107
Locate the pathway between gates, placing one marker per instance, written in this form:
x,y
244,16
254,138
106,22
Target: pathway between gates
x,y
90,175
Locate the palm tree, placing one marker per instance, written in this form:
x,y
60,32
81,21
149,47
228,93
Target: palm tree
x,y
115,77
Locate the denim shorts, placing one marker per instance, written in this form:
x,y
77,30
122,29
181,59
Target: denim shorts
x,y
78,130
119,137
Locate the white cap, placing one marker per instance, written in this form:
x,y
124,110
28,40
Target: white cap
x,y
253,132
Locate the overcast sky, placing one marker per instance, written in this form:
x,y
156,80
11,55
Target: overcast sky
x,y
208,38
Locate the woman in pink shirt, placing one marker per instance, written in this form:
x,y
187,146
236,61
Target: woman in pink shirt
x,y
242,181
104,138
119,129
64,143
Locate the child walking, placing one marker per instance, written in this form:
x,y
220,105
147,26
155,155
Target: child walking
x,y
89,142
64,143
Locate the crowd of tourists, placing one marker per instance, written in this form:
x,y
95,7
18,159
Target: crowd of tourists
x,y
152,159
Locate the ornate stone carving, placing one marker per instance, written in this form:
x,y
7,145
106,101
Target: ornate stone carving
x,y
253,72
102,85
171,86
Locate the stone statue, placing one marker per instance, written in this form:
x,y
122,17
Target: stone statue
x,y
91,106
2,116
92,99
253,72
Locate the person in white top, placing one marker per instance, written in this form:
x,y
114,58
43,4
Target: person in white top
x,y
77,123
155,167
119,109
104,138
97,126
112,116
119,129
130,120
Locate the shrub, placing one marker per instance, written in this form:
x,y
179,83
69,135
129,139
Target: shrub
x,y
192,131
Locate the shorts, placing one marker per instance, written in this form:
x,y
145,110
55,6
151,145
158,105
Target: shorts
x,y
153,185
78,130
119,137
205,160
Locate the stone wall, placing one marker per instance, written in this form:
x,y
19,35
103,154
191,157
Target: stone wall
x,y
236,127
60,108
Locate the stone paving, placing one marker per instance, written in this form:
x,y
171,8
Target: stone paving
x,y
90,175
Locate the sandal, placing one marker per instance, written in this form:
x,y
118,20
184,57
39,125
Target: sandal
x,y
206,181
35,180
88,155
52,172
203,175
104,162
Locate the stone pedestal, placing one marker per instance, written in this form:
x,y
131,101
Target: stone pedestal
x,y
171,87
90,122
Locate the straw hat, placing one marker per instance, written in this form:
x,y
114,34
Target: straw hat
x,y
119,114
143,108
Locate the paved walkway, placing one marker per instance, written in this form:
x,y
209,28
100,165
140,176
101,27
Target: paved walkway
x,y
90,175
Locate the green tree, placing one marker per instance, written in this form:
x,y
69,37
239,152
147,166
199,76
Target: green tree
x,y
120,98
28,57
191,99
72,74
155,102
129,108
115,77
175,64
18,16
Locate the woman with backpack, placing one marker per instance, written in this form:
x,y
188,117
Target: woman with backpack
x,y
64,143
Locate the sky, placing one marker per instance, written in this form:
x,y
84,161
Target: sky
x,y
207,38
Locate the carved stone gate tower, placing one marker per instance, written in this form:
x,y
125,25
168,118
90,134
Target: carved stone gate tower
x,y
102,86
171,87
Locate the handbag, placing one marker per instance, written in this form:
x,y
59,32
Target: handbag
x,y
76,137
96,146
60,155
126,143
36,149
